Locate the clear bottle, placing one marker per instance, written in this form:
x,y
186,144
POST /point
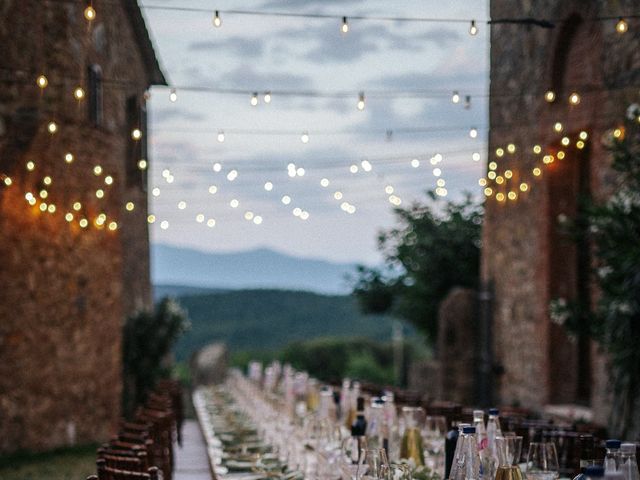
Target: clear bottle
x,y
490,463
612,457
452,447
628,462
481,431
375,427
391,429
412,447
466,464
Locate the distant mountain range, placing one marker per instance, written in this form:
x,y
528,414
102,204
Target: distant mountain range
x,y
183,271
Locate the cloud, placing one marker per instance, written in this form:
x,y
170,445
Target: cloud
x,y
242,46
162,115
246,76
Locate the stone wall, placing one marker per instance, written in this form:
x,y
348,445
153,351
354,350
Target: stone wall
x,y
65,290
524,256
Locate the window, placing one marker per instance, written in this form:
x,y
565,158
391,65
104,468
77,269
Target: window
x,y
95,95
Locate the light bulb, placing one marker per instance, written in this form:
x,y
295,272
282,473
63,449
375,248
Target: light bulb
x,y
622,26
304,138
108,180
254,99
182,205
217,21
583,135
220,136
136,134
268,186
151,218
550,96
297,211
164,225
345,25
511,148
361,101
437,172
508,174
78,93
142,164
475,157
113,226
69,217
99,193
455,98
31,166
217,167
388,189
52,127
337,195
574,99
211,223
557,127
473,29
130,206
482,182
473,133
441,182
173,95
304,215
77,206
90,13
415,163
493,165
97,170
213,189
488,191
286,200
524,187
83,223
232,175
300,172
234,203
353,168
42,81
324,182
257,219
537,149
366,165
200,218
267,97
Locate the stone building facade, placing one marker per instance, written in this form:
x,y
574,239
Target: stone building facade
x,y
527,259
66,158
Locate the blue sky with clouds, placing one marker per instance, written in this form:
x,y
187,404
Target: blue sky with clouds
x,y
279,54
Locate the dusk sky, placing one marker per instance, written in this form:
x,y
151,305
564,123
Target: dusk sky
x,y
260,53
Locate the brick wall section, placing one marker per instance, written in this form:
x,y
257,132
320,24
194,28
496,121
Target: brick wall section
x,y
516,238
65,291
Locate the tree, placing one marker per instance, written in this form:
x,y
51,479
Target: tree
x,y
148,337
434,248
613,230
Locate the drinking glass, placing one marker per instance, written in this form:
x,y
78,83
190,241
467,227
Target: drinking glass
x,y
542,461
373,464
411,447
509,448
433,435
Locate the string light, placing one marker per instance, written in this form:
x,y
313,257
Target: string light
x,y
31,166
482,182
618,133
217,167
557,127
7,181
217,21
493,165
579,144
257,219
324,182
473,30
164,224
560,155
488,191
512,195
77,206
173,95
151,219
473,133
499,152
415,163
267,97
304,215
345,25
304,138
99,193
511,148
52,127
142,164
300,172
90,13
155,192
337,195
78,93
97,170
296,211
69,217
46,180
388,189
113,226
213,189
268,186
232,175
200,218
524,187
537,149
68,157
286,199
583,135
508,174
475,157
491,175
499,179
565,141
353,168
42,81
437,172
136,134
211,223
130,206
550,96
366,165
43,194
254,99
574,99
84,223
361,101
455,98
441,182
182,205
500,197
622,26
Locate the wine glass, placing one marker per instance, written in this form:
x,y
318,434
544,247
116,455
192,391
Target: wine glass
x,y
542,461
373,464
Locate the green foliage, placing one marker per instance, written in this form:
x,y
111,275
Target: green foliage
x,y
147,340
330,359
436,247
61,464
614,231
263,320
